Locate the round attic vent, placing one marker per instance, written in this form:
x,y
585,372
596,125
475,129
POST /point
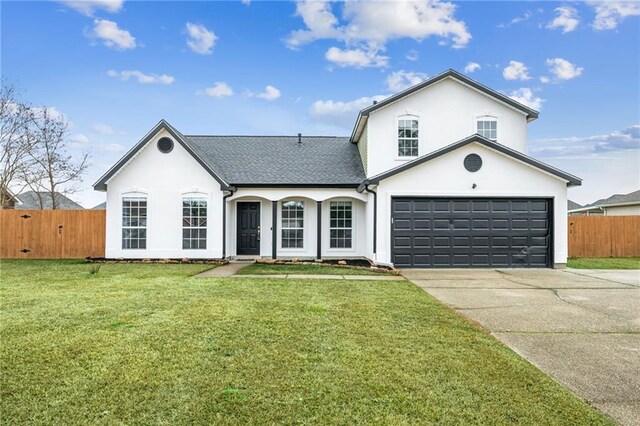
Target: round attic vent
x,y
165,145
472,162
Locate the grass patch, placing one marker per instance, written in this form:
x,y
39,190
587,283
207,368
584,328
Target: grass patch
x,y
604,263
279,269
150,344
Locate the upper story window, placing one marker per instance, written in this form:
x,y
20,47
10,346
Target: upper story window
x,y
293,224
408,137
134,223
194,223
487,127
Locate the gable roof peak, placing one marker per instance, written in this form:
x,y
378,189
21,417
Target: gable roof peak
x,y
449,73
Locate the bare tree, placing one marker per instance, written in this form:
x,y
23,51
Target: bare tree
x,y
52,170
15,145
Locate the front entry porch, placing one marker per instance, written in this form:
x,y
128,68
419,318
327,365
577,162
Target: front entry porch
x,y
303,224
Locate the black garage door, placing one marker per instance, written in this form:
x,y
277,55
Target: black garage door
x,y
471,232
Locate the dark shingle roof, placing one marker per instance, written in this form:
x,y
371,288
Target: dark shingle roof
x,y
617,199
280,160
571,205
31,201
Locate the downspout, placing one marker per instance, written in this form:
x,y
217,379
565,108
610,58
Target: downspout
x,y
375,212
232,190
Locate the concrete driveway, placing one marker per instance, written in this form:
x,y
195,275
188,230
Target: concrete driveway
x,y
580,326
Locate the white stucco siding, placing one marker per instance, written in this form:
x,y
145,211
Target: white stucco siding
x,y
447,112
500,176
310,197
164,179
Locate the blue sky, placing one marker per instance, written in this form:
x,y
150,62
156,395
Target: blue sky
x,y
115,68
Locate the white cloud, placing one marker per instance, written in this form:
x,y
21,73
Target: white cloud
x,y
401,80
141,77
610,13
219,89
412,55
89,7
471,67
563,69
200,39
340,113
567,19
246,2
627,139
525,17
111,147
112,35
79,138
270,93
516,71
356,58
525,96
102,129
366,27
544,79
52,112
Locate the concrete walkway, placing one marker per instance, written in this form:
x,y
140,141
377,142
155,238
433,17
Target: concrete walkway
x,y
325,277
227,270
582,327
232,268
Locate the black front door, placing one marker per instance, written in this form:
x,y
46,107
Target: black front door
x,y
248,241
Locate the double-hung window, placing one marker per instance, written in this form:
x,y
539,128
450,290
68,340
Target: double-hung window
x,y
487,128
194,223
293,224
407,137
341,224
134,223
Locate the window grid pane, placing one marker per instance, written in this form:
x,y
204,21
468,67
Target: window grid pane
x,y
134,223
194,223
488,129
407,138
293,224
340,224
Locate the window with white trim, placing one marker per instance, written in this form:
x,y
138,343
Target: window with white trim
x,y
488,128
408,137
293,224
341,224
194,223
134,223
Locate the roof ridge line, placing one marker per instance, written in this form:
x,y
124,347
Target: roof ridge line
x,y
264,136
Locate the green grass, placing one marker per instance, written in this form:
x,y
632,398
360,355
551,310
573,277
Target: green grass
x,y
150,344
604,263
275,269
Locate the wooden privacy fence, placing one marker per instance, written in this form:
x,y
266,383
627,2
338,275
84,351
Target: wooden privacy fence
x,y
604,236
52,234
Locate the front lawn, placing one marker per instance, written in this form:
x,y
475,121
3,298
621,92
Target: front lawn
x,y
311,269
150,344
604,263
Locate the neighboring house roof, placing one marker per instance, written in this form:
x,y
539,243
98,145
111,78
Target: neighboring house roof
x,y
30,200
450,73
572,205
281,160
101,206
615,200
571,180
264,160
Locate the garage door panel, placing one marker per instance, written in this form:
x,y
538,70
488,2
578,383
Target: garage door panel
x,y
466,232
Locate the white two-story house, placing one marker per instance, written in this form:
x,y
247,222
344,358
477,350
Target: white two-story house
x,y
434,176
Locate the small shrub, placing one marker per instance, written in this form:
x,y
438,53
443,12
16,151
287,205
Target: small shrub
x,y
94,269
